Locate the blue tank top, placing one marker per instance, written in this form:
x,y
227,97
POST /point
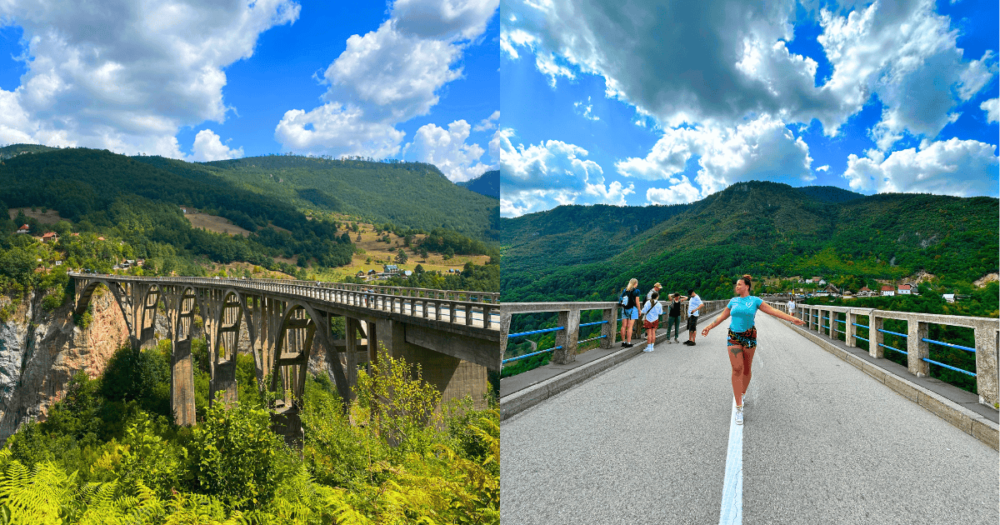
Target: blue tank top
x,y
742,311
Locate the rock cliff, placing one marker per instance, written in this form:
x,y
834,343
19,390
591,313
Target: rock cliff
x,y
40,351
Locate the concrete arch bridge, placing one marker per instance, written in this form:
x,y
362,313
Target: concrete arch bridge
x,y
454,336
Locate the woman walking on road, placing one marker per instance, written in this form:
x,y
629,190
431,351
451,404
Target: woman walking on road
x,y
742,339
630,310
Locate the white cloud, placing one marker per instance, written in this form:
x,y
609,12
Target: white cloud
x,y
705,69
823,168
762,149
953,167
333,128
388,76
586,109
681,193
992,110
447,150
208,147
548,174
488,123
127,77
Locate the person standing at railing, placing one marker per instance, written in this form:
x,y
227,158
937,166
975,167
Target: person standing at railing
x,y
629,301
742,338
652,311
694,304
674,316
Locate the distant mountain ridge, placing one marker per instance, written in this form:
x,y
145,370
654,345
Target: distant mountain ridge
x,y
486,184
761,228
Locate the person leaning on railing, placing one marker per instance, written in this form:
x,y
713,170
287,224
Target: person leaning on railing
x,y
742,339
629,301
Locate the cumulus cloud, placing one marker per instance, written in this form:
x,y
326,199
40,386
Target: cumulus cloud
x,y
992,110
151,68
680,193
208,147
823,168
962,168
488,123
741,67
387,76
762,149
447,150
551,173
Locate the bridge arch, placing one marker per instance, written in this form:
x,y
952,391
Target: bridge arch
x,y
84,297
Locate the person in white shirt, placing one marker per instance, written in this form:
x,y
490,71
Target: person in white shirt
x,y
694,304
651,311
791,306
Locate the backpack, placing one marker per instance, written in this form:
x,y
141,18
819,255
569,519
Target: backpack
x,y
623,298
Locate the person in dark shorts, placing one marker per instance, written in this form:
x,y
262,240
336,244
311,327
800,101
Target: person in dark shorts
x,y
694,305
674,316
742,338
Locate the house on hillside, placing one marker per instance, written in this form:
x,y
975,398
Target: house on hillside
x,y
390,269
100,238
832,289
948,297
50,237
904,289
361,275
864,292
817,280
24,229
888,291
407,273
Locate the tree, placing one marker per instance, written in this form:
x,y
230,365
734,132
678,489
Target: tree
x,y
401,257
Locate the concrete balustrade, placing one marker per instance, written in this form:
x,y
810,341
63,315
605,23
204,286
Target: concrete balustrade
x,y
986,330
569,318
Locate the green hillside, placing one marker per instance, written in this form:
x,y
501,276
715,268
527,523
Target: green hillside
x,y
486,184
765,229
409,194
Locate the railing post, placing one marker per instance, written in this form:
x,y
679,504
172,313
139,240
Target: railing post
x,y
875,338
567,338
609,327
986,362
917,350
850,331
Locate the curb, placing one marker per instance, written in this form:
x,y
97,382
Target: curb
x,y
964,419
524,399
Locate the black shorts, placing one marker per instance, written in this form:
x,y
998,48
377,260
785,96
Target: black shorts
x,y
692,323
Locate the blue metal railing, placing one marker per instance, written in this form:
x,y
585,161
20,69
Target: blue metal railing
x,y
594,324
966,372
893,333
505,361
893,349
856,336
533,332
942,343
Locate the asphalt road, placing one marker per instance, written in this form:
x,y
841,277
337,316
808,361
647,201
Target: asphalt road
x,y
646,442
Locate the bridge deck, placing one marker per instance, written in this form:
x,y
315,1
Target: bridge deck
x,y
647,442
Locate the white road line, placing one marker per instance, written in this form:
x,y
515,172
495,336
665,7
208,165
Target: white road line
x,y
732,490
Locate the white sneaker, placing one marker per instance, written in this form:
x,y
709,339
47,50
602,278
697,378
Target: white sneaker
x,y
739,415
652,347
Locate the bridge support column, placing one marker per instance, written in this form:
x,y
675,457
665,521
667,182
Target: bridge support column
x,y
567,337
505,330
182,383
917,350
875,337
608,328
987,339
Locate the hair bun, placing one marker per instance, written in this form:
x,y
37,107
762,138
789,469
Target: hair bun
x,y
747,276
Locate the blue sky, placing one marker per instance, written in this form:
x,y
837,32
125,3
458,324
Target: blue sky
x,y
409,79
667,102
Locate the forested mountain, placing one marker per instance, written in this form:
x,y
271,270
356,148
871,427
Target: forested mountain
x,y
486,184
765,229
409,194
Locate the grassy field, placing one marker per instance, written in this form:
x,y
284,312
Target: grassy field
x,y
213,223
49,217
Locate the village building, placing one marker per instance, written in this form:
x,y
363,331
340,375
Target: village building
x,y
23,229
888,291
904,289
948,297
50,237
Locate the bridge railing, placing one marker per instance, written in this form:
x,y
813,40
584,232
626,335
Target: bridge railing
x,y
843,323
439,305
568,329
